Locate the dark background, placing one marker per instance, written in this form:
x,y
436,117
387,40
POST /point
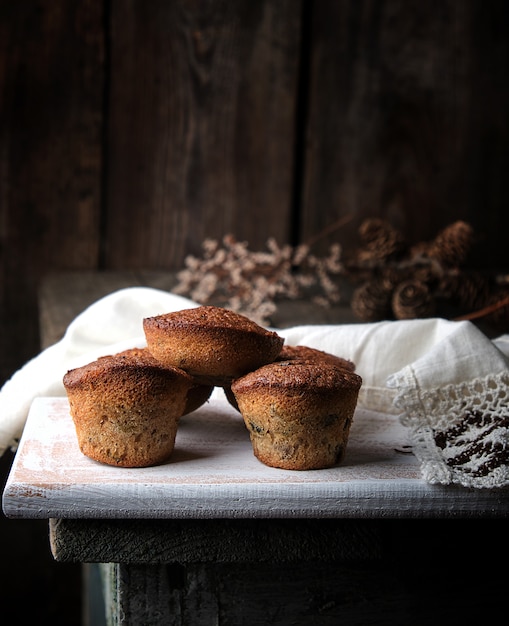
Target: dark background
x,y
130,130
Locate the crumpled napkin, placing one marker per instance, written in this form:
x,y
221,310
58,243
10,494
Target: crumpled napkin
x,y
446,380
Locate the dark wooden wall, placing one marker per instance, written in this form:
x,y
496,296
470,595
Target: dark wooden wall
x,y
132,130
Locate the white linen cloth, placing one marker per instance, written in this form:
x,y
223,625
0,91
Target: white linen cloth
x,y
446,380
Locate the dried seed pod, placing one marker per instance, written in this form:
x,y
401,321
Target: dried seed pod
x,y
452,245
379,240
371,301
413,299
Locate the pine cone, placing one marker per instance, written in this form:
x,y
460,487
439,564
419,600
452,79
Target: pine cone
x,y
452,245
371,301
413,299
394,273
379,240
466,290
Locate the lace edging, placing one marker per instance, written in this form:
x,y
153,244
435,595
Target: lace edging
x,y
460,433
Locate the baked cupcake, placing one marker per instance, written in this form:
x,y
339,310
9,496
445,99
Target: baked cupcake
x,y
213,344
301,353
126,408
311,354
298,413
197,395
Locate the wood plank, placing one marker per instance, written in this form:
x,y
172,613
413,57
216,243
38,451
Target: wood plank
x,y
214,541
51,89
408,119
213,474
327,594
51,80
391,589
201,126
64,295
255,594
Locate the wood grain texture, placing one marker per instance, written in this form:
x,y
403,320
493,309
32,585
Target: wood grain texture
x,y
408,119
51,84
213,474
258,595
139,595
255,594
214,541
64,295
407,108
201,126
130,131
416,580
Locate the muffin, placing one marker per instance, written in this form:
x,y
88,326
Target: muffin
x,y
298,413
306,353
197,395
126,408
301,353
213,344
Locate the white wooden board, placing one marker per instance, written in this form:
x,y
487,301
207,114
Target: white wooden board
x,y
213,473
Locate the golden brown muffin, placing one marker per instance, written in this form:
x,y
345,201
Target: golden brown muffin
x,y
302,353
126,408
306,353
213,344
298,413
197,395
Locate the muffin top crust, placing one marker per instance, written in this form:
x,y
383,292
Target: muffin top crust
x,y
295,374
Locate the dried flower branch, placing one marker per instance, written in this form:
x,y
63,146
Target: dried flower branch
x,y
231,275
392,279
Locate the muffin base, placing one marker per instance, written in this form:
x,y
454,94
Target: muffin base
x,y
299,433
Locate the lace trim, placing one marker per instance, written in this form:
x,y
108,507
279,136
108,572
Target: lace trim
x,y
460,433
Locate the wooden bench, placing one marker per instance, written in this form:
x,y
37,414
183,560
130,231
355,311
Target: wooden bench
x,y
254,570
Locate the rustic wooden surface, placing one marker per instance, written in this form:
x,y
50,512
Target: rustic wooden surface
x,y
214,541
213,473
131,131
63,295
389,592
208,147
407,118
258,595
51,117
387,575
400,111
